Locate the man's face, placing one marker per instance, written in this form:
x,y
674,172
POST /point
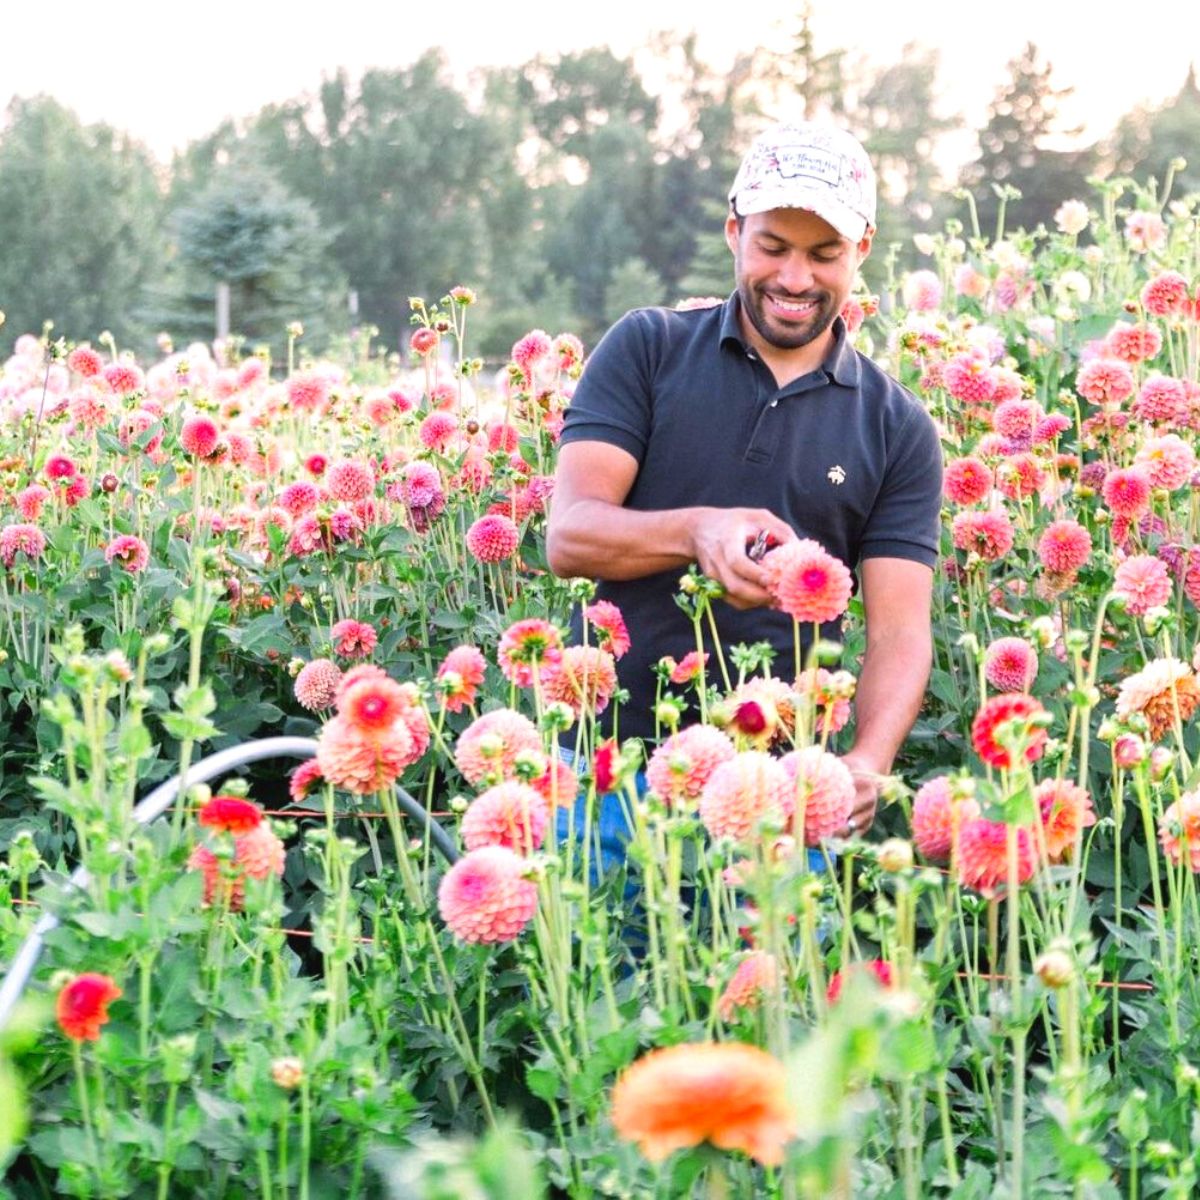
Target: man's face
x,y
794,273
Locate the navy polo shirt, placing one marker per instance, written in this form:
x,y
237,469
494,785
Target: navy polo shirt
x,y
845,455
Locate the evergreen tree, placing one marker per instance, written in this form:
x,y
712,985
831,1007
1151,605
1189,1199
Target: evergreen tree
x,y
247,231
1014,154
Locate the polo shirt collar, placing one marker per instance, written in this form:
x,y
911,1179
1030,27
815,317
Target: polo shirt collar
x,y
841,363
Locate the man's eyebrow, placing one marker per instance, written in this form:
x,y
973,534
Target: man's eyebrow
x,y
829,243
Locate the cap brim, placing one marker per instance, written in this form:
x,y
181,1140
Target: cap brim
x,y
850,224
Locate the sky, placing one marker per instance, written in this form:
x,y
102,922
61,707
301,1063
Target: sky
x,y
169,72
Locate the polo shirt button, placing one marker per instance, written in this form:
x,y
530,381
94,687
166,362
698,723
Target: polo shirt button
x,y
774,403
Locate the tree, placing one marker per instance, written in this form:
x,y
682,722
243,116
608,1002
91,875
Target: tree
x,y
1013,150
80,224
1147,140
247,231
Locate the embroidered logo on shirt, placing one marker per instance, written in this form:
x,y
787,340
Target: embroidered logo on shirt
x,y
836,474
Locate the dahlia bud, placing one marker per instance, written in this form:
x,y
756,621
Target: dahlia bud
x,y
668,713
753,718
558,717
895,855
459,804
1055,969
1128,751
1161,760
109,482
288,1073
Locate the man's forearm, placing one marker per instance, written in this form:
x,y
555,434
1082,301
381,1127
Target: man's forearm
x,y
888,698
607,541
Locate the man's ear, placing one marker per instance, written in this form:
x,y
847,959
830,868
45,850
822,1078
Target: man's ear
x,y
731,233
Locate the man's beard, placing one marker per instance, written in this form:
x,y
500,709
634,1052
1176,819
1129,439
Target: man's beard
x,y
793,335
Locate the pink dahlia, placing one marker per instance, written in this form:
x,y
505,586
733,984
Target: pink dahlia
x,y
1143,582
1017,419
823,792
59,467
371,705
28,540
969,378
682,765
508,814
1161,400
1066,810
488,748
437,431
1105,381
1126,491
308,391
131,552
1133,343
31,500
1168,460
558,785
526,647
756,975
259,852
305,780
606,620
124,378
485,896
807,582
983,855
493,538
83,360
937,817
530,350
1012,716
1145,231
583,677
742,792
350,480
922,291
361,762
1179,830
1020,476
299,498
1010,664
1165,294
1064,546
354,639
966,481
460,675
988,534
199,436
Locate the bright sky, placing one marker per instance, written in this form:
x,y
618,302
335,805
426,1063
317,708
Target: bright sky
x,y
168,72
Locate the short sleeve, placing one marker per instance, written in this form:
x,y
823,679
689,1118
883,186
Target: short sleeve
x,y
905,521
612,402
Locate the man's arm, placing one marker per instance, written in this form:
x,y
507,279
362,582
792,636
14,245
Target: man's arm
x,y
897,601
590,533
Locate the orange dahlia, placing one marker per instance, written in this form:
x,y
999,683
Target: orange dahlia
x,y
732,1095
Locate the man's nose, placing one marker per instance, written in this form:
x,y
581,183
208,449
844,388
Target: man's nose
x,y
795,274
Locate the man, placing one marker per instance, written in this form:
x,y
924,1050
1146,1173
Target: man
x,y
692,433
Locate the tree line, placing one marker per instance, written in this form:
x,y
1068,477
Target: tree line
x,y
566,190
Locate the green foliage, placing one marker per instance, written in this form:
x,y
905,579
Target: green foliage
x,y
80,225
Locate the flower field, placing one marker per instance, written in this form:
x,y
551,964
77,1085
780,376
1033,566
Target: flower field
x,y
284,987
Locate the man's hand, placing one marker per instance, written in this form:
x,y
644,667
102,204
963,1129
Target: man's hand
x,y
722,538
867,783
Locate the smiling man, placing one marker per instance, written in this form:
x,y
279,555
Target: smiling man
x,y
694,433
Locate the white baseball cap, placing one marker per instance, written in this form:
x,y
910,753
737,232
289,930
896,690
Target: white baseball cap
x,y
806,165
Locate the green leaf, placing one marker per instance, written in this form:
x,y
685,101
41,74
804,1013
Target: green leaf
x,y
543,1082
